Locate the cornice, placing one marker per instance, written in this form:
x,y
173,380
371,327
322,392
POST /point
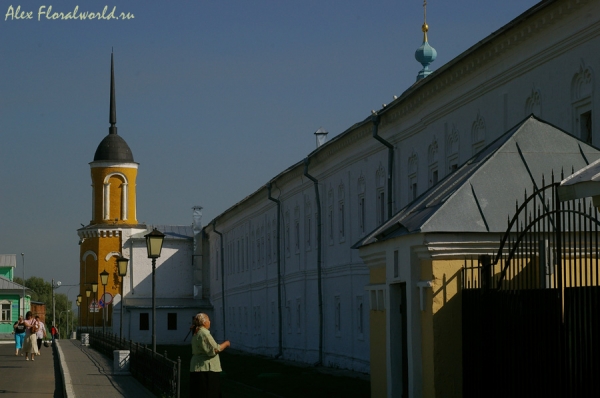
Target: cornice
x,y
107,231
110,164
456,250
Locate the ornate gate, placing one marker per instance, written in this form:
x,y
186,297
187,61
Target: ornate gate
x,y
531,321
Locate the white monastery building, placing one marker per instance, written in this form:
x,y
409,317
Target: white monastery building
x,y
284,272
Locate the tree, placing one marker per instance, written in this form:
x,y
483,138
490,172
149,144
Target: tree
x,y
42,292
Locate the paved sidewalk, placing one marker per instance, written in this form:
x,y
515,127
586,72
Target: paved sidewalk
x,y
87,373
19,378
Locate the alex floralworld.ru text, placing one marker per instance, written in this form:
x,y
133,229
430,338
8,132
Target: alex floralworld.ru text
x,y
46,12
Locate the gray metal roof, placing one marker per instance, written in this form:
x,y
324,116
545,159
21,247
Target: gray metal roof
x,y
113,148
481,194
584,183
185,232
8,260
7,284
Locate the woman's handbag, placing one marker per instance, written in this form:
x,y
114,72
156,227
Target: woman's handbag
x,y
46,343
34,328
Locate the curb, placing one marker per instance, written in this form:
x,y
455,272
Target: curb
x,y
64,370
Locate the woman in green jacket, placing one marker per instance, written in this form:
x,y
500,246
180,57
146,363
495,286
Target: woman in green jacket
x,y
205,366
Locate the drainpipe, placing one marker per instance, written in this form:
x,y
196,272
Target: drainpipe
x,y
376,119
319,260
280,353
222,276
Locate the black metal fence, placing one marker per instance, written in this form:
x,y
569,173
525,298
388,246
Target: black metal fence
x,y
155,371
531,313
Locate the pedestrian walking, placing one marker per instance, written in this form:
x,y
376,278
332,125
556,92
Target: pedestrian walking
x,y
40,334
54,333
19,331
205,366
30,345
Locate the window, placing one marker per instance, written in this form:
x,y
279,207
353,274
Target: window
x,y
298,316
412,191
272,317
6,315
297,227
341,221
330,217
338,316
433,175
172,321
307,232
380,207
361,213
287,238
360,317
585,125
144,321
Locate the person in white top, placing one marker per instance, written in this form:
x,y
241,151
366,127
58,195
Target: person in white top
x,y
40,334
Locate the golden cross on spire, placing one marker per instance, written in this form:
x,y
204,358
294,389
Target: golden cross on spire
x,y
425,27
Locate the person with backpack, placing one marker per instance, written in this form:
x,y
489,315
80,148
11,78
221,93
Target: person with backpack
x,y
19,330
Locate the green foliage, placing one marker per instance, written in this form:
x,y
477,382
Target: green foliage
x,y
42,292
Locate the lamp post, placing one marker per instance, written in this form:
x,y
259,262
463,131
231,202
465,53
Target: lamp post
x,y
87,307
23,258
104,281
94,290
122,267
154,242
54,286
79,298
67,323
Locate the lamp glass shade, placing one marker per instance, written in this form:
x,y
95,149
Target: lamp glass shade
x,y
88,292
122,266
79,298
94,287
78,303
104,277
154,242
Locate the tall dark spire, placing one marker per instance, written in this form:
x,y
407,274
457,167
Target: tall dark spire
x,y
113,148
113,106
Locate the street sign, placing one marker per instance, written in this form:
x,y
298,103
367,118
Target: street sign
x,y
94,306
107,298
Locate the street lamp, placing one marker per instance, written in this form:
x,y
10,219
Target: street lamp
x,y
94,290
122,267
154,242
79,298
54,286
104,281
23,258
87,307
67,323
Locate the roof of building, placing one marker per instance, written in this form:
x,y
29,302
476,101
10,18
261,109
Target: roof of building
x,y
414,91
185,232
7,284
8,260
113,148
481,194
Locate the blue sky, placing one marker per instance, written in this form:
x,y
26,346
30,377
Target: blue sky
x,y
213,97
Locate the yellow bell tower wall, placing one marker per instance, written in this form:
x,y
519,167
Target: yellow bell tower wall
x,y
98,254
113,193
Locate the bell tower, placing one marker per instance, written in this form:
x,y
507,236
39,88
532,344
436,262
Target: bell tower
x,y
113,173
